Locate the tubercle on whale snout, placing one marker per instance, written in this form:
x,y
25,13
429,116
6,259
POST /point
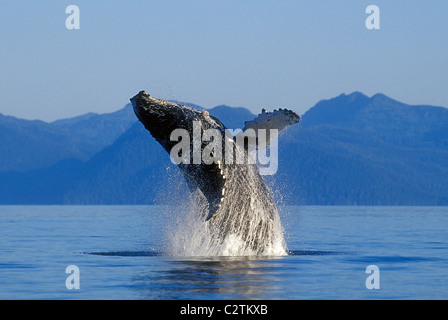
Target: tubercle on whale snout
x,y
144,101
144,104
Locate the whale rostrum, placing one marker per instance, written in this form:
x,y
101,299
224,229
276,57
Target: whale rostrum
x,y
236,202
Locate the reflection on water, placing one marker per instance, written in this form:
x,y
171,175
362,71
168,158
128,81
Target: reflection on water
x,y
224,277
211,277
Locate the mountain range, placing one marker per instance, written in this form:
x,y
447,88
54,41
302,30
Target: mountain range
x,y
349,150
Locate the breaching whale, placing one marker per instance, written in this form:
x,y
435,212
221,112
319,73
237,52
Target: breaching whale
x,y
233,196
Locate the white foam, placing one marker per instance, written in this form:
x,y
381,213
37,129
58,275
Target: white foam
x,y
190,237
188,234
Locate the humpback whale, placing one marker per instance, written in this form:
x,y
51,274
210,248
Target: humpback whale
x,y
233,198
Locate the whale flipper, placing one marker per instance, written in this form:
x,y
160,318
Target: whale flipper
x,y
210,180
270,121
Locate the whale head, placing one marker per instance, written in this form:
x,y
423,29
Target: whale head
x,y
162,117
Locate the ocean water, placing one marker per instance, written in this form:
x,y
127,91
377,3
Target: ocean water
x,y
119,252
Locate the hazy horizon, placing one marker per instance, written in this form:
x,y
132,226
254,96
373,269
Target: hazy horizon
x,y
252,54
255,112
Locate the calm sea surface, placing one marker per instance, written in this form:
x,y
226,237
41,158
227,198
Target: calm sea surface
x,y
119,253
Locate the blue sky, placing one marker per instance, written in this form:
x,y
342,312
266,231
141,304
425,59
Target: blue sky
x,y
256,54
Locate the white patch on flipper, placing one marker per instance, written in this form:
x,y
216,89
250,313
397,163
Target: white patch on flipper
x,y
278,119
271,121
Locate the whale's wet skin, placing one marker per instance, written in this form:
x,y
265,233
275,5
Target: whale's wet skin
x,y
231,211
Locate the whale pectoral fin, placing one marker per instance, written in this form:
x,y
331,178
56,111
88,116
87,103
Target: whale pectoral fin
x,y
272,122
211,181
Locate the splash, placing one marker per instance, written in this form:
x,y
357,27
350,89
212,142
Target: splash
x,y
239,216
190,235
